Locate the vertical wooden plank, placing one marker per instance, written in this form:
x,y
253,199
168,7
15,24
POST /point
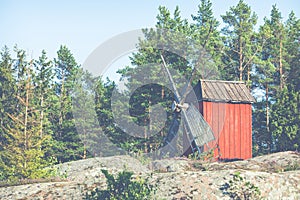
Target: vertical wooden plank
x,y
209,113
217,134
243,131
207,106
215,116
246,127
223,125
248,143
229,143
224,133
237,130
205,118
227,135
250,130
213,123
231,132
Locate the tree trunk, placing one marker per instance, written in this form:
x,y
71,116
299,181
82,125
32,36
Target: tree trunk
x,y
61,102
42,115
240,58
248,77
26,109
267,117
27,91
280,66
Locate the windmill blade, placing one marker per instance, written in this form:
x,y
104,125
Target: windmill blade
x,y
171,79
197,128
189,87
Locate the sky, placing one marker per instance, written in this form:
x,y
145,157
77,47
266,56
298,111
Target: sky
x,y
83,25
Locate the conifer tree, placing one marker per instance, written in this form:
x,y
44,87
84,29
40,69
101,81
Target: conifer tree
x,y
22,155
275,52
239,41
68,145
292,56
169,38
7,89
205,32
43,81
285,120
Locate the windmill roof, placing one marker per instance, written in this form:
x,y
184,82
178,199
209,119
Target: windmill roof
x,y
223,91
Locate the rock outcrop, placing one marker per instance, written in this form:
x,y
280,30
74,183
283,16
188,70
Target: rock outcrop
x,y
277,176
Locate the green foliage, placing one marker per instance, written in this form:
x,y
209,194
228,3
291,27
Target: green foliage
x,y
240,189
122,187
206,156
67,145
22,155
62,172
292,166
183,51
205,33
144,159
7,89
39,90
275,116
285,120
240,45
293,53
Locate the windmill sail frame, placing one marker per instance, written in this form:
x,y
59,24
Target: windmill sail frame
x,y
197,130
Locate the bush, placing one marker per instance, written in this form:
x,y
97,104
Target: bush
x,y
238,188
122,187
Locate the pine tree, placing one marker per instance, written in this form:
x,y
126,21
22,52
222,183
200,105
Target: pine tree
x,y
43,81
276,51
205,32
7,88
285,120
285,110
105,115
170,40
239,41
292,48
22,154
264,82
271,74
168,36
68,145
88,94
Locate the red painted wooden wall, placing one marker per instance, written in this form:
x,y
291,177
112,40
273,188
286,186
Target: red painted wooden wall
x,y
232,126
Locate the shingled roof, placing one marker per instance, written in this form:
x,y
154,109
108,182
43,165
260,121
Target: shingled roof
x,y
223,91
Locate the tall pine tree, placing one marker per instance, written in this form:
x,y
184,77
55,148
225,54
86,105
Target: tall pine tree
x,y
205,32
68,145
239,41
22,155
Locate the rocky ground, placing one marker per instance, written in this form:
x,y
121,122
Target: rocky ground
x,y
277,176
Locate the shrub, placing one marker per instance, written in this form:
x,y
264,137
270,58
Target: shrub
x,y
238,188
122,187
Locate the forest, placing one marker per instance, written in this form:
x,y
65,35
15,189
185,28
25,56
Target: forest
x,y
37,127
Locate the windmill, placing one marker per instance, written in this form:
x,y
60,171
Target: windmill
x,y
196,130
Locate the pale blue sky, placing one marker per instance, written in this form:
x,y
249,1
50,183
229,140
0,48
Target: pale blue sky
x,y
83,25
